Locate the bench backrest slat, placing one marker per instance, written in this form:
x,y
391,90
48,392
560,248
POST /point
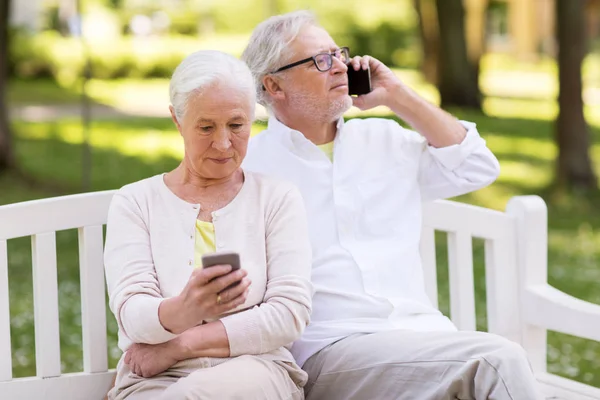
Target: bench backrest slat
x,y
45,305
502,287
428,260
5,349
462,289
93,311
464,222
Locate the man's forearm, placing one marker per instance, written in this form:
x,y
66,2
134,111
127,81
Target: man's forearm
x,y
439,128
208,340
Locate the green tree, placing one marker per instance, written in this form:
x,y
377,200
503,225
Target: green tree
x,y
450,58
573,166
430,36
6,151
457,77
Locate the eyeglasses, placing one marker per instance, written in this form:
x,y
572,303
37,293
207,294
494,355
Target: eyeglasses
x,y
323,61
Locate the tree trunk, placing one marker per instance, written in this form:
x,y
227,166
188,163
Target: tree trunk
x,y
574,167
6,151
475,33
458,79
430,36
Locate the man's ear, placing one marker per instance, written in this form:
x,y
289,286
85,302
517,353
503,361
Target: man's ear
x,y
174,118
273,86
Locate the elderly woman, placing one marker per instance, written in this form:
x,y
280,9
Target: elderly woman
x,y
186,331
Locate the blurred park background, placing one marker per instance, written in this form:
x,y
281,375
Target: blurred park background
x,y
84,107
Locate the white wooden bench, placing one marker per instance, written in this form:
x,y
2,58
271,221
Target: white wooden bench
x,y
521,305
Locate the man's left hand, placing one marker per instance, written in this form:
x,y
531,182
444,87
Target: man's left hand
x,y
384,83
147,360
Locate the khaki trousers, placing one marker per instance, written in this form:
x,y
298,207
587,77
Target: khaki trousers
x,y
261,377
421,366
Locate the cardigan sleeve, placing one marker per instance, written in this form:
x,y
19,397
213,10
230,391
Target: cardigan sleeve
x,y
133,289
285,311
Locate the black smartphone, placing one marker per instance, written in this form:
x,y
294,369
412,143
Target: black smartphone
x,y
359,82
223,258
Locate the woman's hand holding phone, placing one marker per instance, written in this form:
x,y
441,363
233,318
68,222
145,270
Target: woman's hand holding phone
x,y
208,293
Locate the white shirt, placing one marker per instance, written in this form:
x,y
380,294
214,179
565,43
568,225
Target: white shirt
x,y
364,217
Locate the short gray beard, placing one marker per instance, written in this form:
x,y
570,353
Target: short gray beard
x,y
316,108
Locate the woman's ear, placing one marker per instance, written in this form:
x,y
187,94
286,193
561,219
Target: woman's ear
x,y
174,118
273,86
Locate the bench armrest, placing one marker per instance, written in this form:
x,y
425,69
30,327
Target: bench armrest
x,y
547,307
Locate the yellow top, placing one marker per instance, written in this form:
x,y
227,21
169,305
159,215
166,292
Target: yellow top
x,y
204,241
327,148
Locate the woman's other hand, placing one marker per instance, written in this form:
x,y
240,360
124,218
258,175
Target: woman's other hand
x,y
205,296
147,360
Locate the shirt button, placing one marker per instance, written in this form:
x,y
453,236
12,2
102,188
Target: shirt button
x,y
221,244
191,236
190,262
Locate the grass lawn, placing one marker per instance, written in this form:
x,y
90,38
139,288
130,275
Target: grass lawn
x,y
132,149
22,92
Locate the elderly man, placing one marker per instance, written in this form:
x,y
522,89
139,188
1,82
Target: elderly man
x,y
374,334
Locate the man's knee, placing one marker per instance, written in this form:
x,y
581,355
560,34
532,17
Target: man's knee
x,y
500,351
503,369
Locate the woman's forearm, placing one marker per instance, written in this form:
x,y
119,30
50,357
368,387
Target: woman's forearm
x,y
207,340
170,316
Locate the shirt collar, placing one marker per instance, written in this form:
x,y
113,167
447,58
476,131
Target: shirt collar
x,y
292,138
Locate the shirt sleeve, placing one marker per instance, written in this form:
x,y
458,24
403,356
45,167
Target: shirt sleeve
x,y
133,290
285,311
457,169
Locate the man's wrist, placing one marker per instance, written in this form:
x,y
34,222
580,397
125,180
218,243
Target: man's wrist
x,y
401,100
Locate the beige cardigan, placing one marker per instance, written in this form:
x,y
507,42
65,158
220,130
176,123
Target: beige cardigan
x,y
149,256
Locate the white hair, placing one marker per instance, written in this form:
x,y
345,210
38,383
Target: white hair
x,y
203,69
269,46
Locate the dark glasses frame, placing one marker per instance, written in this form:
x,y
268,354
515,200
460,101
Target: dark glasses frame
x,y
342,51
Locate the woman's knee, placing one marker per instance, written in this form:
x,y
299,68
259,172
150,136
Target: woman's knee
x,y
243,378
262,379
